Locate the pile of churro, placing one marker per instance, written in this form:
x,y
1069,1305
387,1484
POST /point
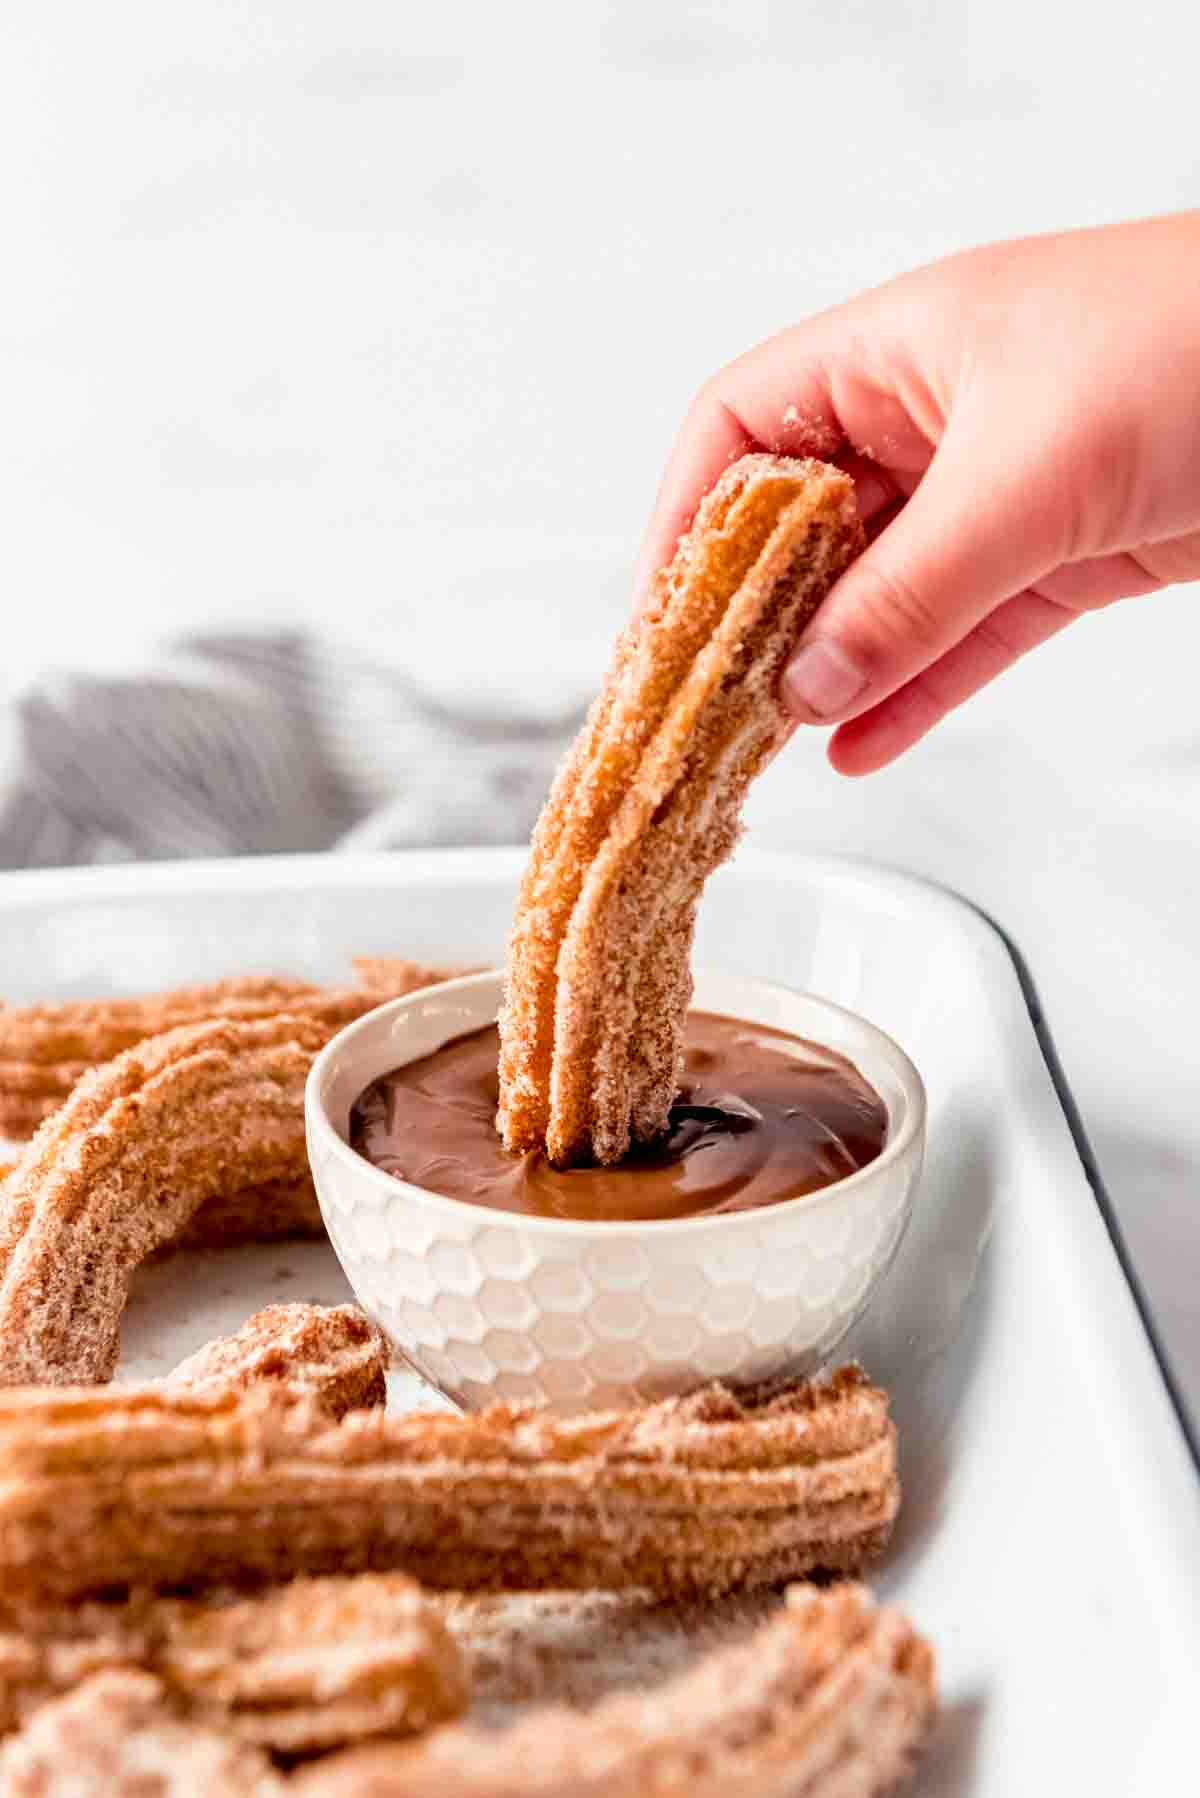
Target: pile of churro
x,y
251,1578
247,1578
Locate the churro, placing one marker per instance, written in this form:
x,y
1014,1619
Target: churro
x,y
120,1735
139,1146
311,1665
46,1049
646,806
830,1699
273,1211
332,1354
393,975
101,1491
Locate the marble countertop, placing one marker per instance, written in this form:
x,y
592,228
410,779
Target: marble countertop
x,y
382,318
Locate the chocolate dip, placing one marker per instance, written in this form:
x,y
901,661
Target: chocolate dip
x,y
761,1116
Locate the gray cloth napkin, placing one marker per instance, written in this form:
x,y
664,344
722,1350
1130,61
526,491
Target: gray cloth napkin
x,y
232,745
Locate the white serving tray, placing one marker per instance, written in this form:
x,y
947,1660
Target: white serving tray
x,y
1050,1538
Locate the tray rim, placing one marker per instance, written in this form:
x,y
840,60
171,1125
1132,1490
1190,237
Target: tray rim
x,y
1189,1424
216,874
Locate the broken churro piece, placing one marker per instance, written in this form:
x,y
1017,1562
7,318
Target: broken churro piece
x,y
120,1735
830,1699
391,976
311,1665
46,1049
140,1145
318,1662
332,1354
646,806
702,1495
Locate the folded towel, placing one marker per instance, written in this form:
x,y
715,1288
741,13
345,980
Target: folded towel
x,y
241,744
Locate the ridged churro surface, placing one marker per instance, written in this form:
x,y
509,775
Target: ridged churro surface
x,y
141,1144
305,1666
697,1496
830,1699
46,1049
647,805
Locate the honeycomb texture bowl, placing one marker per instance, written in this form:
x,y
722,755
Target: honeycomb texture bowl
x,y
491,1306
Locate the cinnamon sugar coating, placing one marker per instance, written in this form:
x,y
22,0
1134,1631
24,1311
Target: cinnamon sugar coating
x,y
647,805
117,1489
332,1354
832,1698
273,1211
119,1171
302,1667
46,1049
120,1734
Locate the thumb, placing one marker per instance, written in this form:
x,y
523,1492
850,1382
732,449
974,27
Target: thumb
x,y
967,540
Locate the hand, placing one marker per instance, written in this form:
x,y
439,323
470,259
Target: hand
x,y
1023,426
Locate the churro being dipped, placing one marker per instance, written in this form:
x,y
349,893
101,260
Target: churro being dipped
x,y
647,805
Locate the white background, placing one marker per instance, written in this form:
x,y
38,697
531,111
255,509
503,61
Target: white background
x,y
382,317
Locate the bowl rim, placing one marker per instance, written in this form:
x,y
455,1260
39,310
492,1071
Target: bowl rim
x,y
321,1126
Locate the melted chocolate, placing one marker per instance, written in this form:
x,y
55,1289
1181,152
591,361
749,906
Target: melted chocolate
x,y
760,1117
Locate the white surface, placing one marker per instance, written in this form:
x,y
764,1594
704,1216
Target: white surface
x,y
586,1316
1050,1538
384,316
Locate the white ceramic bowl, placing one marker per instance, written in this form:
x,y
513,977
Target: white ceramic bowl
x,y
490,1305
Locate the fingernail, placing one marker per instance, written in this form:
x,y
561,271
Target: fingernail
x,y
820,681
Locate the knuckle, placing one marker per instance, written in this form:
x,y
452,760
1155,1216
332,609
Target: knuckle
x,y
922,705
1177,559
913,710
891,609
998,643
711,408
708,393
712,395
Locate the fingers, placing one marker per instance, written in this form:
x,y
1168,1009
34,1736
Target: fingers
x,y
1097,581
876,489
967,540
712,437
1174,559
878,736
998,502
719,428
836,386
780,396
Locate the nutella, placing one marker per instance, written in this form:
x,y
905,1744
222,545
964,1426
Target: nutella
x,y
760,1117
